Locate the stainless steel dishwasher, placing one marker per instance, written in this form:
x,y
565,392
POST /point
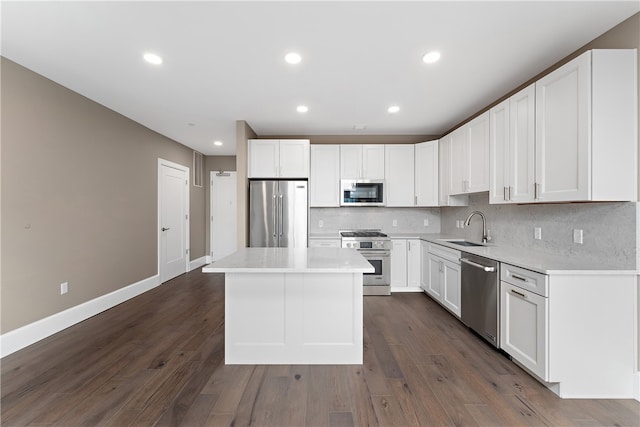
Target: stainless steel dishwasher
x,y
480,295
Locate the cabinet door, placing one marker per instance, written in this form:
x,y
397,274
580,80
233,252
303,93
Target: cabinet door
x,y
398,263
457,161
350,161
562,132
324,180
444,150
424,266
399,176
436,276
522,142
499,153
324,243
477,154
373,161
264,158
523,327
426,173
294,158
451,287
413,263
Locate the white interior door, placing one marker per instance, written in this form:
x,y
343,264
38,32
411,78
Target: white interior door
x,y
173,219
224,213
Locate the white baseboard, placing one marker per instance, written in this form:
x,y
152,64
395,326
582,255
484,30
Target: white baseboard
x,y
636,387
20,338
199,262
406,289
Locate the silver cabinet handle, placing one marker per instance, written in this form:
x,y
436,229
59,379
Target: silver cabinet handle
x,y
522,279
536,191
165,229
475,264
504,194
521,295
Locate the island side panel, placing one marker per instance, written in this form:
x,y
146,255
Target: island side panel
x,y
293,318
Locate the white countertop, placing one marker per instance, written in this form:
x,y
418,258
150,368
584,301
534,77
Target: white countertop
x,y
291,260
531,260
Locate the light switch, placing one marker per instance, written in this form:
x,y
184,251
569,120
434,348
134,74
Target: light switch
x,y
537,233
577,236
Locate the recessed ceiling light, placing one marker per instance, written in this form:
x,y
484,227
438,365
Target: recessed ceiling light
x,y
393,109
302,109
431,57
293,58
359,126
217,143
152,58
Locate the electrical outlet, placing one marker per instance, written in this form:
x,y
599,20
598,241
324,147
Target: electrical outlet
x,y
577,236
462,223
457,223
426,222
64,288
395,222
320,223
537,233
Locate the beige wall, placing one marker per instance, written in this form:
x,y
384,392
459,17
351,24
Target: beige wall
x,y
243,134
79,198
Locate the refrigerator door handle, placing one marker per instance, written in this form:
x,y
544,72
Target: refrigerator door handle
x,y
281,213
275,215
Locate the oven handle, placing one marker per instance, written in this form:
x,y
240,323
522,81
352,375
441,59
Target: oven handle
x,y
486,268
375,254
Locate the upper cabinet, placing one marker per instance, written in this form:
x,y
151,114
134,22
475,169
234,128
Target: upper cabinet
x,y
444,174
273,158
399,174
586,129
324,180
426,173
362,161
512,148
469,157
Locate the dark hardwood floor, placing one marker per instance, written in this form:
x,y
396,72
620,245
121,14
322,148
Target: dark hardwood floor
x,y
158,359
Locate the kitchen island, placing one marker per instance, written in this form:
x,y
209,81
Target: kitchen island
x,y
293,305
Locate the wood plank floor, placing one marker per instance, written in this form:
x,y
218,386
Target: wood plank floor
x,y
158,359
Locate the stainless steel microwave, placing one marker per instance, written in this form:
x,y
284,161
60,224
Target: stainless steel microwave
x,y
362,192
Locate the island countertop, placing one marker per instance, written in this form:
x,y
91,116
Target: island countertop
x,y
291,260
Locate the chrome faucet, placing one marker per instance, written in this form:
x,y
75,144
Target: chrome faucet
x,y
484,224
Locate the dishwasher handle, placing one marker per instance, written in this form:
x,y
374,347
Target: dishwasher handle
x,y
475,264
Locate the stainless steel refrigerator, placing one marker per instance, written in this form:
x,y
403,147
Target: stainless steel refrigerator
x,y
278,213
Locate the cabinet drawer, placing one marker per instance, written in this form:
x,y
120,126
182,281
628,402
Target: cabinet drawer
x,y
444,252
324,243
526,279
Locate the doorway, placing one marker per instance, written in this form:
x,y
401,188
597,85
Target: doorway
x,y
224,214
173,219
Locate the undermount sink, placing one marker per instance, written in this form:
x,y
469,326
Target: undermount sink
x,y
463,242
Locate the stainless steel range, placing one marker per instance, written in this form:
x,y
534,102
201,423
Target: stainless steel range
x,y
376,248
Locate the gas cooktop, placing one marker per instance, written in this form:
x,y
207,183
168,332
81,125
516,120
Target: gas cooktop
x,y
362,233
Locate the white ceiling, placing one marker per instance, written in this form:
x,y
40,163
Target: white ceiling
x,y
223,61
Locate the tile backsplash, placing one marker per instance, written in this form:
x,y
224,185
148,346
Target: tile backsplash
x,y
609,229
407,220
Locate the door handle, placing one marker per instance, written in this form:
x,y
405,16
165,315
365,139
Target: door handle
x,y
281,214
165,229
275,215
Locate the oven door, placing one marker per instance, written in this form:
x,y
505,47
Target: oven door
x,y
381,262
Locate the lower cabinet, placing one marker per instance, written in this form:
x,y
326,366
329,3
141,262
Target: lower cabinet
x,y
443,267
405,264
324,243
523,327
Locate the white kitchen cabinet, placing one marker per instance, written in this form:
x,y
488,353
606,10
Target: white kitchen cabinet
x,y
324,179
469,157
424,266
399,175
362,161
405,264
273,158
586,129
426,173
572,330
444,168
512,148
324,243
444,277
